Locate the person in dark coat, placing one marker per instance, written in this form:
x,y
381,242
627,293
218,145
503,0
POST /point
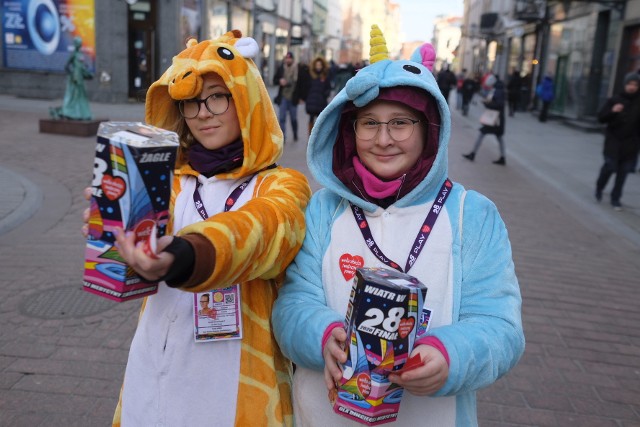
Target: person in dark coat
x,y
469,88
497,102
286,77
621,113
513,91
446,80
318,89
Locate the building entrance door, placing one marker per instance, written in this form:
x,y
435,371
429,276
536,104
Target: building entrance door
x,y
141,48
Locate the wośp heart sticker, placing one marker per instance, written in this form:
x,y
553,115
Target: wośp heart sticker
x,y
348,265
145,232
364,384
406,326
113,187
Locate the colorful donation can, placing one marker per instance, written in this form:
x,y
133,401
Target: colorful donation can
x,y
384,313
131,187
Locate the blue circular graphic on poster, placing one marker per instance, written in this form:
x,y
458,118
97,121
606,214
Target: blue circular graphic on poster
x,y
43,23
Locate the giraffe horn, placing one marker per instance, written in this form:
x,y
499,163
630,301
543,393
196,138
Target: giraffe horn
x,y
378,46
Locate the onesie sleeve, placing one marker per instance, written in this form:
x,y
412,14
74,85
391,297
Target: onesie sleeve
x,y
300,315
260,238
487,339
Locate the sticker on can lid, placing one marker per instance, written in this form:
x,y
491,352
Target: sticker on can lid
x,y
145,232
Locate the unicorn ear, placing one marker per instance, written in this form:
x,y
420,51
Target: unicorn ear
x,y
247,47
426,55
378,46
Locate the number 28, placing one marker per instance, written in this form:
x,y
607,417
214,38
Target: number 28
x,y
376,317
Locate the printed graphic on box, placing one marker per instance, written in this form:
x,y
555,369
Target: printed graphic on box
x,y
131,188
384,312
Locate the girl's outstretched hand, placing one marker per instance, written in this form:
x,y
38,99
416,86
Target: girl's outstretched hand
x,y
333,353
428,378
152,268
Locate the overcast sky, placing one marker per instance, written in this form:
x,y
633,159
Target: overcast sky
x,y
418,16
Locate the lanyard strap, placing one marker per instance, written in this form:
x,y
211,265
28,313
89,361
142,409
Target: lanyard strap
x,y
421,238
231,200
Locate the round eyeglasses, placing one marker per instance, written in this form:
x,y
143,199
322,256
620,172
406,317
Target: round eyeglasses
x,y
216,103
399,129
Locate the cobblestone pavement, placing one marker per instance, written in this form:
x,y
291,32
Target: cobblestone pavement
x,y
63,351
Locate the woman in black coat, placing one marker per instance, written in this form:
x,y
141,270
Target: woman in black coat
x,y
318,90
497,102
621,113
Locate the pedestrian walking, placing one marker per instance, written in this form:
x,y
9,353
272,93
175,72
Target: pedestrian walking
x,y
621,113
514,89
462,75
487,81
469,88
446,80
381,153
237,220
286,78
496,102
546,93
318,90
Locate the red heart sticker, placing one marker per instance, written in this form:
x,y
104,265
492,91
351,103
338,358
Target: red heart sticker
x,y
348,265
229,202
447,184
364,384
426,229
113,187
406,326
363,224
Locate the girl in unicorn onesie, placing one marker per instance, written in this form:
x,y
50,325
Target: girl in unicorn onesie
x,y
385,138
237,220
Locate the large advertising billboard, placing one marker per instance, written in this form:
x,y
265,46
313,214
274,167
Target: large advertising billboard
x,y
39,34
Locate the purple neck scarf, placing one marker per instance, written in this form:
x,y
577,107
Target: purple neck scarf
x,y
213,162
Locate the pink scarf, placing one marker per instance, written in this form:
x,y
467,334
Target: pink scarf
x,y
373,185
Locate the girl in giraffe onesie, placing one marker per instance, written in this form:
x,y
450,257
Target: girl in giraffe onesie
x,y
237,219
380,149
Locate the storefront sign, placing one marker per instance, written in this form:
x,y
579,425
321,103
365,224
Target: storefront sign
x,y
38,34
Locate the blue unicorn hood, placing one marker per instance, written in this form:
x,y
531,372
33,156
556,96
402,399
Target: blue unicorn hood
x,y
382,73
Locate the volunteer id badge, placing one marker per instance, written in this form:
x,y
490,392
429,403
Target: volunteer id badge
x,y
217,315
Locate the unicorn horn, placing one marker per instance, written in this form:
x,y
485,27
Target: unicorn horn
x,y
378,50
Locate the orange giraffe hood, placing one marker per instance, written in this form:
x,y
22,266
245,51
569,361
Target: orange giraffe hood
x,y
230,57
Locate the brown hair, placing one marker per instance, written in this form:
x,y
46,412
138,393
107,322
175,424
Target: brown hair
x,y
186,138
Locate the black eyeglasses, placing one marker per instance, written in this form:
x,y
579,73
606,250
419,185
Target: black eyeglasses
x,y
216,103
399,129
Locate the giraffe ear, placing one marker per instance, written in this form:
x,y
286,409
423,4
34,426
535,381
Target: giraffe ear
x,y
247,47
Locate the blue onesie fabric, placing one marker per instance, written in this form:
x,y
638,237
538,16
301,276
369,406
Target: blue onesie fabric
x,y
466,264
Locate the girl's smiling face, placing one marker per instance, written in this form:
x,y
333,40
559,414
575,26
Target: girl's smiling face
x,y
382,155
214,131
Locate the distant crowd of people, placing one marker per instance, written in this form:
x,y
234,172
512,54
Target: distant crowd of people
x,y
314,83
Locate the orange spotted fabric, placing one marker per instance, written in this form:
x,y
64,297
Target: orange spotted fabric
x,y
255,243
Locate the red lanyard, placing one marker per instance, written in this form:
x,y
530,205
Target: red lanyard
x,y
421,238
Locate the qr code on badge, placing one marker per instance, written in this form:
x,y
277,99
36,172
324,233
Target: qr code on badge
x,y
230,298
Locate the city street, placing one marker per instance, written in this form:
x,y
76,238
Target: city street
x,y
63,351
